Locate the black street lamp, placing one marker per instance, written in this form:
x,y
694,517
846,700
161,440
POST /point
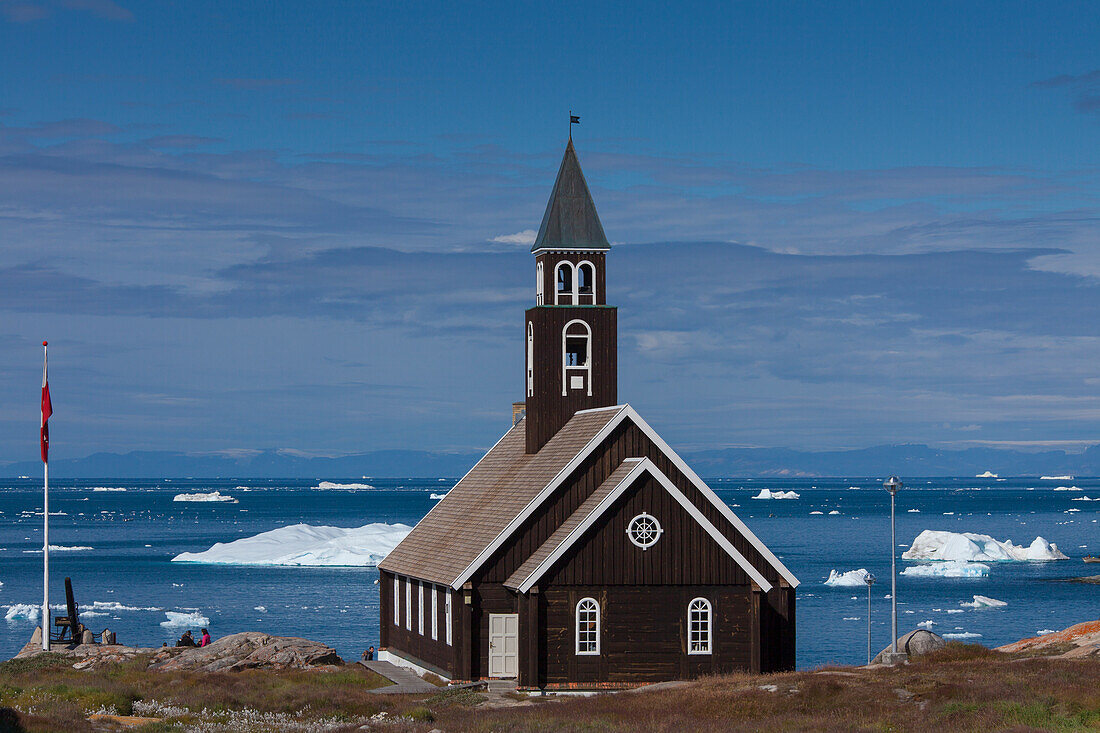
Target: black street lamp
x,y
869,580
892,485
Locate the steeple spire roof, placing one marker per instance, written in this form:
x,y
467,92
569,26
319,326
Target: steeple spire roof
x,y
570,221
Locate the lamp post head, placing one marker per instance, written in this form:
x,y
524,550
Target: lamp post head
x,y
892,484
869,579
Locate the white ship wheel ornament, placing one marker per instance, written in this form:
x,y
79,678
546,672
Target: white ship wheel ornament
x,y
644,530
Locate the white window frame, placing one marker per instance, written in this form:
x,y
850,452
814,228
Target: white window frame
x,y
530,359
434,590
705,639
540,296
566,370
652,520
408,604
570,296
447,604
577,281
594,608
397,600
420,609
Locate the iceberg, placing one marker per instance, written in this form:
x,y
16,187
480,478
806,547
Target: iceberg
x,y
949,569
850,579
834,512
437,497
108,488
332,485
177,620
970,547
1083,498
983,602
62,548
1067,488
22,612
769,494
962,635
987,474
1056,478
212,496
306,545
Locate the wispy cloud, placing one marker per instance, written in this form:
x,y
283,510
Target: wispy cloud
x,y
1084,87
27,11
256,82
527,237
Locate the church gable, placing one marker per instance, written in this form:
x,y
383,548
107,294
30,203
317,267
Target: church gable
x,y
626,436
636,529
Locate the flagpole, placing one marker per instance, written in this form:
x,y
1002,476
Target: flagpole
x,y
45,529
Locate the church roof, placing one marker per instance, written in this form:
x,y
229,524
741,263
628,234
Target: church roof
x,y
501,491
481,506
570,221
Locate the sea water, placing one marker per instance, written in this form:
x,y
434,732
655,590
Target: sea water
x,y
129,584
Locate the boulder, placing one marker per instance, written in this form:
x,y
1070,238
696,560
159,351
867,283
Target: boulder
x,y
247,650
914,644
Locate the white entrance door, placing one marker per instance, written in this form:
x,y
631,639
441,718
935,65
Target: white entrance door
x,y
503,644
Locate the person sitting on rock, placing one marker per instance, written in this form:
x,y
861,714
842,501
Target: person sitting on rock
x,y
186,639
205,638
368,655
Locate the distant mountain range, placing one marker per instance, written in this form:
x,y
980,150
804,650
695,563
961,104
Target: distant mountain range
x,y
903,460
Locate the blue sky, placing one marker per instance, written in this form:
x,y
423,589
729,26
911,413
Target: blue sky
x,y
303,225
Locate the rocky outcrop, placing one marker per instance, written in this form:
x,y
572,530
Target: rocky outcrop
x,y
1083,638
247,650
914,644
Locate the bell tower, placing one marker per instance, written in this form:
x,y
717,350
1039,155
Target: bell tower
x,y
571,332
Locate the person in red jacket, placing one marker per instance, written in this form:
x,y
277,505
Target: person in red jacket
x,y
205,638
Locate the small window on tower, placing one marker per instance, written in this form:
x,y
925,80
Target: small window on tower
x,y
576,367
565,283
585,277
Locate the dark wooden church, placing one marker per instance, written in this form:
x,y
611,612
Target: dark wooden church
x,y
581,551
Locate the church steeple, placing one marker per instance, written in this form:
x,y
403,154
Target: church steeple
x,y
571,361
571,221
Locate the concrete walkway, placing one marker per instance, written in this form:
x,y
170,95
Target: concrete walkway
x,y
405,681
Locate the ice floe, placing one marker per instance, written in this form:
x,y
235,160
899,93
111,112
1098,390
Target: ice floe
x,y
177,620
333,485
108,488
983,602
968,546
949,569
1083,498
437,497
212,496
1056,478
961,635
850,579
306,545
62,548
769,494
22,612
1067,488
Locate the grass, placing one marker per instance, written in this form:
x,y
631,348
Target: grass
x,y
959,688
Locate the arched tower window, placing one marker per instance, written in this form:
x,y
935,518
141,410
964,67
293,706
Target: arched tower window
x,y
566,295
586,283
539,284
576,366
588,627
699,632
530,359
